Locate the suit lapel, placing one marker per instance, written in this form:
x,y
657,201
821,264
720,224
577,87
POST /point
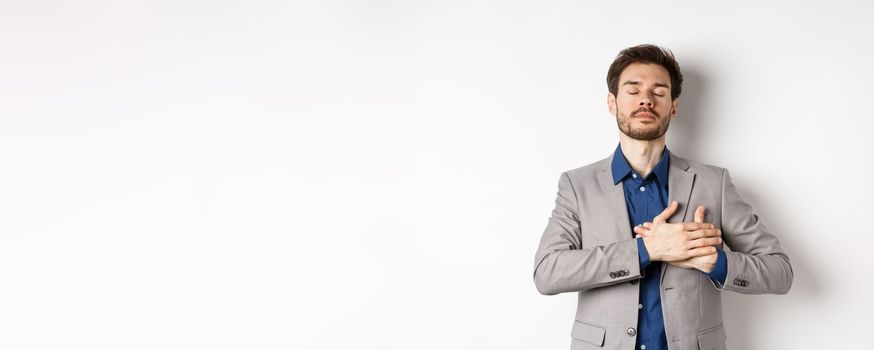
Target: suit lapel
x,y
679,187
614,195
680,184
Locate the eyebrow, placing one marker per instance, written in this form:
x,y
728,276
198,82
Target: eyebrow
x,y
635,82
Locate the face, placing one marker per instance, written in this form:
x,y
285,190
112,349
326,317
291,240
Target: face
x,y
642,106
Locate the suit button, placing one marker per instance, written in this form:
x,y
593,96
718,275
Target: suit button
x,y
631,332
612,275
626,272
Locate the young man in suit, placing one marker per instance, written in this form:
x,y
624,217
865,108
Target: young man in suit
x,y
648,272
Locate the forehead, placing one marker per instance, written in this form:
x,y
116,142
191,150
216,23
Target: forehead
x,y
646,74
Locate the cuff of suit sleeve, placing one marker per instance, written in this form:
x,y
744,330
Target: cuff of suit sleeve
x,y
720,272
643,255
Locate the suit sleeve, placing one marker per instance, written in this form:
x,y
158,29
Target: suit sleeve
x,y
757,263
561,265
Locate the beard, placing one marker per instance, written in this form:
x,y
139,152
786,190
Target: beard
x,y
644,133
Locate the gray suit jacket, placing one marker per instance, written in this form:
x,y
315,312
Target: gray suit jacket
x,y
588,237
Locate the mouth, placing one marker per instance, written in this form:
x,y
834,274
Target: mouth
x,y
645,115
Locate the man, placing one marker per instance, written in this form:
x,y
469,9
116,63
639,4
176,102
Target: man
x,y
648,269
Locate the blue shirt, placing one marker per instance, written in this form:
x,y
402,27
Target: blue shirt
x,y
644,199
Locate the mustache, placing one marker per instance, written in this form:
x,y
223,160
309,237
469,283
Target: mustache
x,y
644,109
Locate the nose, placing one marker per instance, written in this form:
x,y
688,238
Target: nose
x,y
646,101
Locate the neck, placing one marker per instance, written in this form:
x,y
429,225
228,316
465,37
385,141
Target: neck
x,y
642,156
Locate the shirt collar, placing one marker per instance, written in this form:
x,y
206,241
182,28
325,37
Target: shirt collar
x,y
621,169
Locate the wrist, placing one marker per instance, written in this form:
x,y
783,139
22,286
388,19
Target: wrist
x,y
649,245
711,264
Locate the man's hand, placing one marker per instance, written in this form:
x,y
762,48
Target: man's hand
x,y
681,241
703,263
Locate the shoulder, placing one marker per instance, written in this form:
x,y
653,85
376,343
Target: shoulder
x,y
588,171
707,174
704,169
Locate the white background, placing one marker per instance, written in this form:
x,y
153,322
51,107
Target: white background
x,y
377,174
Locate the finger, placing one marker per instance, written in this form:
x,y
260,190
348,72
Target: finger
x,y
696,252
713,241
648,225
699,214
704,242
670,210
704,233
692,226
643,231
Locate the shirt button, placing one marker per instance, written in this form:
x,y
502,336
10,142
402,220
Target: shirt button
x,y
631,332
634,175
642,188
643,347
639,306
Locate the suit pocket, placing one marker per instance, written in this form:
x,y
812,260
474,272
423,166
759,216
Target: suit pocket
x,y
713,338
588,333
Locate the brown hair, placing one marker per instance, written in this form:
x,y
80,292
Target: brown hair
x,y
645,53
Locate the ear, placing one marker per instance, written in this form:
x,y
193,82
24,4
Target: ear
x,y
675,105
611,103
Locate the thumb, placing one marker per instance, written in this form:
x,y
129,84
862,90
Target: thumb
x,y
670,210
699,214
